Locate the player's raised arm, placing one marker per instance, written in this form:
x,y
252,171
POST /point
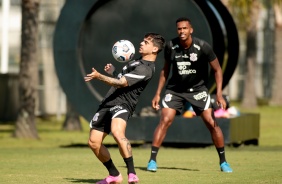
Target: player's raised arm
x,y
118,83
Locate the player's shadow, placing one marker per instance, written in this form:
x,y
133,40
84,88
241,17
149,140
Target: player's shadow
x,y
78,180
168,168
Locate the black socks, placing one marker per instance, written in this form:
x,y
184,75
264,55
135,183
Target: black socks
x,y
130,165
154,152
221,154
111,168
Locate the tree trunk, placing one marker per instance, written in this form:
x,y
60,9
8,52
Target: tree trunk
x,y
72,121
28,76
276,97
249,95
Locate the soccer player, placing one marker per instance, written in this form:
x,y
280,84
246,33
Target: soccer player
x,y
119,104
188,57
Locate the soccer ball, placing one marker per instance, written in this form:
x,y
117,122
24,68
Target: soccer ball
x,y
123,51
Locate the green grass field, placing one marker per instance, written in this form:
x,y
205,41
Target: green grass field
x,y
63,157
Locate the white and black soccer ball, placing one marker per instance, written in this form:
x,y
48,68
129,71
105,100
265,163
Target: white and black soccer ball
x,y
123,51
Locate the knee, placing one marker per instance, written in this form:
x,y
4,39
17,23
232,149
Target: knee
x,y
93,144
212,124
117,135
166,121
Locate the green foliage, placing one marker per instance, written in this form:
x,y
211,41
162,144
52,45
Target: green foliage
x,y
240,10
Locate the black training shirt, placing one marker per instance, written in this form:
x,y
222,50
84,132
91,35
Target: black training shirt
x,y
190,67
138,73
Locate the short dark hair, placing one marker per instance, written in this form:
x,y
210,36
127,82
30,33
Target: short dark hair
x,y
157,39
180,19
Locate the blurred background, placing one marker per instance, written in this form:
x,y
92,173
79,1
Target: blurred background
x,y
38,92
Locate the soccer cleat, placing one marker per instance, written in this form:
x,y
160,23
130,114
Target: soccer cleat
x,y
152,166
111,180
225,167
132,178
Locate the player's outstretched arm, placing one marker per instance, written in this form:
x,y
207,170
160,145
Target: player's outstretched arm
x,y
118,83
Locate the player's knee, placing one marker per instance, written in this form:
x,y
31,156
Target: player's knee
x,y
93,144
117,134
166,121
212,124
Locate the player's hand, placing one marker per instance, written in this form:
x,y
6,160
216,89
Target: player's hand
x,y
109,68
155,102
221,102
92,75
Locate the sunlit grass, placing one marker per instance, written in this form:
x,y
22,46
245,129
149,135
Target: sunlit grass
x,y
63,157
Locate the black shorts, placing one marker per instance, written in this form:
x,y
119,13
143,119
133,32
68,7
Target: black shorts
x,y
102,119
199,99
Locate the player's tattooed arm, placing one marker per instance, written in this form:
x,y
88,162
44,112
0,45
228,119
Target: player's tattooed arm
x,y
118,83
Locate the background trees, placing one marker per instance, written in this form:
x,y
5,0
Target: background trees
x,y
247,16
28,76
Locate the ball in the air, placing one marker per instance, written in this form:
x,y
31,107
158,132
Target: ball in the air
x,y
123,51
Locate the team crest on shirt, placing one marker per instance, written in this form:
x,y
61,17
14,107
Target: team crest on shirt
x,y
168,97
193,57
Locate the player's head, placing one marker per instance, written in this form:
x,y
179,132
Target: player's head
x,y
183,19
157,40
184,28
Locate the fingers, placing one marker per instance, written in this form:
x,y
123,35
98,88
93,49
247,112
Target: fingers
x,y
221,104
90,76
155,105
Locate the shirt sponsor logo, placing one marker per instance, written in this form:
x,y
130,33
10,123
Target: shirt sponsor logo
x,y
187,72
115,108
182,68
177,56
183,65
202,95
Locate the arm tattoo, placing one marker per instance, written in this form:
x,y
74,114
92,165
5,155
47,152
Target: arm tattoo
x,y
111,81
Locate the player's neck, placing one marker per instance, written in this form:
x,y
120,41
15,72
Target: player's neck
x,y
186,43
150,57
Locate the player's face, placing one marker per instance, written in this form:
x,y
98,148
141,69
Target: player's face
x,y
147,47
184,30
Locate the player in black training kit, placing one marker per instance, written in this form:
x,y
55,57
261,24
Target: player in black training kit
x,y
119,104
189,58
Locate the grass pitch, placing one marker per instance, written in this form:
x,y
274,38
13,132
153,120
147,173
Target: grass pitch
x,y
63,157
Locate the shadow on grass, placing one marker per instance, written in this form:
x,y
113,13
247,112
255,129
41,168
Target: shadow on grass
x,y
77,180
86,146
167,168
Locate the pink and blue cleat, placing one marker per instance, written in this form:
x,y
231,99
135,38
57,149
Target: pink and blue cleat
x,y
111,180
225,167
132,178
152,166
